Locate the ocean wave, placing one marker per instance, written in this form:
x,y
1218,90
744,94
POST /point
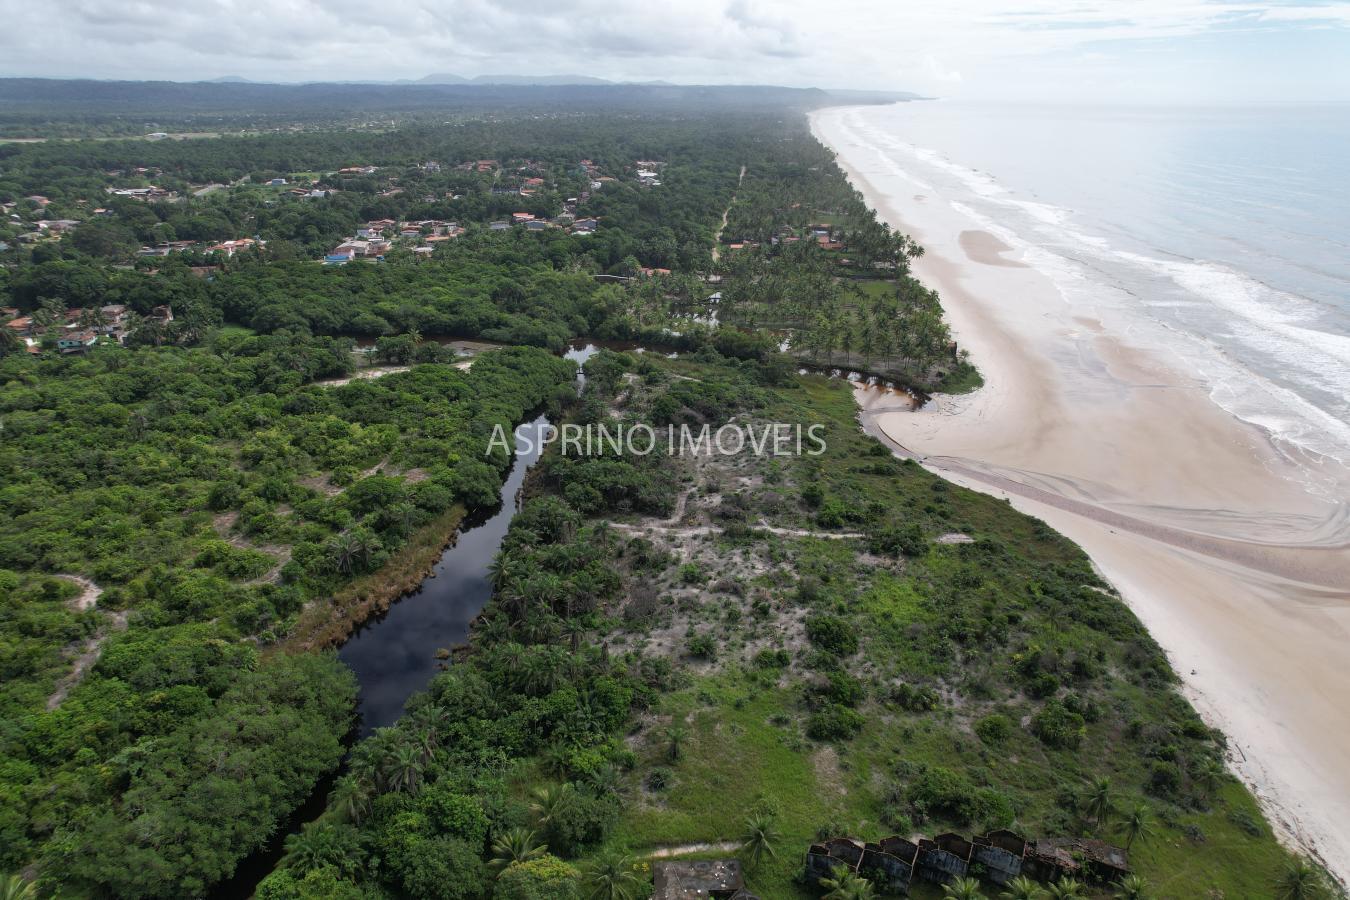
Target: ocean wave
x,y
1216,320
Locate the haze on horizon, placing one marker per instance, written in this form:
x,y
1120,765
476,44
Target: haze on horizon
x,y
1053,50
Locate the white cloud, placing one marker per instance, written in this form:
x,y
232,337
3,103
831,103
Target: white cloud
x,y
937,46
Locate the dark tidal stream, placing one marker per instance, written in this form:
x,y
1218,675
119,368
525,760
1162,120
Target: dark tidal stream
x,y
394,654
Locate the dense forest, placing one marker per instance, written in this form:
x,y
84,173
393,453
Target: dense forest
x,y
224,445
37,107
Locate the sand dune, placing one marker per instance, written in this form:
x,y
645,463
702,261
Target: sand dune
x,y
1236,557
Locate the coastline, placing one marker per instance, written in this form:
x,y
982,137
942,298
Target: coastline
x,y
1198,520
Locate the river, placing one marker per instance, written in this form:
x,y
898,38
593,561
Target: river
x,y
394,654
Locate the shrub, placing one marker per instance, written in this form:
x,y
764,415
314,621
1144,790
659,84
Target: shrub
x,y
915,699
993,729
544,878
940,791
692,573
1058,726
843,688
583,823
1164,779
455,815
1088,708
832,634
440,868
896,819
905,541
224,495
772,659
834,723
701,646
1247,822
1042,685
659,778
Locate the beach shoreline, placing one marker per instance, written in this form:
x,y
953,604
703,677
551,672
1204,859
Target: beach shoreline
x,y
1207,529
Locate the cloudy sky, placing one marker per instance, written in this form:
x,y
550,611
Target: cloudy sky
x,y
1148,50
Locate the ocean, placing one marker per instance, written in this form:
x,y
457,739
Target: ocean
x,y
1222,233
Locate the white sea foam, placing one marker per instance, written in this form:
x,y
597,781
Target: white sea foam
x,y
1234,333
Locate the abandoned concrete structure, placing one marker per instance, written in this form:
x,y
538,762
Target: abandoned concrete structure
x,y
1001,853
945,858
699,879
893,863
889,864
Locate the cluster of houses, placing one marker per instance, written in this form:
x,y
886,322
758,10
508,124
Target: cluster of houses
x,y
649,172
376,238
228,248
481,166
145,194
40,228
79,329
310,193
894,863
565,220
823,236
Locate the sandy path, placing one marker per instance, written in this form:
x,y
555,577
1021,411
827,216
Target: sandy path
x,y
686,849
717,239
362,375
1235,557
690,531
89,592
88,650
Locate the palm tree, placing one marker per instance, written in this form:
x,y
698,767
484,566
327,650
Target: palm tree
x,y
343,552
605,780
93,317
319,845
351,798
1300,881
50,311
1098,802
426,739
1132,887
540,673
575,630
1138,825
1067,889
611,875
551,802
405,769
1023,888
676,734
488,630
501,570
758,838
14,887
846,884
963,889
1209,776
512,846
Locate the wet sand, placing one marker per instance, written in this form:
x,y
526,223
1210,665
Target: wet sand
x,y
1235,557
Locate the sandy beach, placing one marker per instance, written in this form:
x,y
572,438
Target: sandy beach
x,y
1235,556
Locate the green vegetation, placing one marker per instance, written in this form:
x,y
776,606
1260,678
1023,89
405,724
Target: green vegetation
x,y
844,694
741,652
210,494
